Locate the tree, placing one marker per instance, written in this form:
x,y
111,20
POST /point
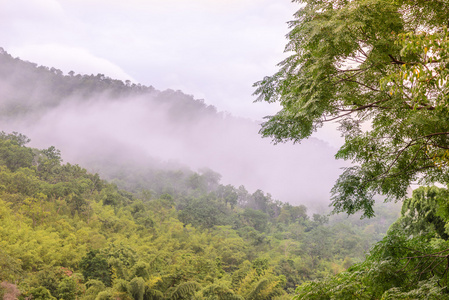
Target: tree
x,y
137,288
255,218
219,292
426,212
13,153
67,289
228,194
95,266
204,211
378,68
185,290
41,293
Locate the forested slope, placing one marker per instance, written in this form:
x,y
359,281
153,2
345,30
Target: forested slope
x,y
67,234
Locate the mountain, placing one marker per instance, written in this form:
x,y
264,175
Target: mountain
x,y
109,125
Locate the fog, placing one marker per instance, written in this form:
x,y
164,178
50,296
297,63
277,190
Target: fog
x,y
136,130
165,129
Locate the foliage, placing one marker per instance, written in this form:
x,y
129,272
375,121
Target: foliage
x,y
185,290
427,211
67,289
41,293
411,261
67,234
93,288
95,266
379,69
424,290
13,153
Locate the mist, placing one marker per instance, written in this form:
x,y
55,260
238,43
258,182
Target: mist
x,y
138,130
169,129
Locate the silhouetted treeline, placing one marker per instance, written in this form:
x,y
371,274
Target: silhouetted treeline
x,y
28,87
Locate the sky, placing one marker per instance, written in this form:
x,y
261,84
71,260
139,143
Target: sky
x,y
212,49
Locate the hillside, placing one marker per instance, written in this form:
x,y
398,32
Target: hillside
x,y
67,234
111,126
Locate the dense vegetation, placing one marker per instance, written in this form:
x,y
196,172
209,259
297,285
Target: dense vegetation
x,y
67,234
411,262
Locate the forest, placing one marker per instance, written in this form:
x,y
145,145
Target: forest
x,y
121,129
141,229
68,234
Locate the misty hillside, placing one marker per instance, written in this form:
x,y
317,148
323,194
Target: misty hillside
x,y
112,126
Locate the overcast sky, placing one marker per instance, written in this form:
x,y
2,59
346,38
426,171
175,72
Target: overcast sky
x,y
212,49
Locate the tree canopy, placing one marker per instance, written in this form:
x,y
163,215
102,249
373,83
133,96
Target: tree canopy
x,y
379,68
68,234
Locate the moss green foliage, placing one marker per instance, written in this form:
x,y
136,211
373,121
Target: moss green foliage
x,y
67,234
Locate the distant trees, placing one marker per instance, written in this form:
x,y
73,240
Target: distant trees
x,y
228,194
39,88
206,211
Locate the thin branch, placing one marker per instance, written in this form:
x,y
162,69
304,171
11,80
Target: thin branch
x,y
370,105
395,61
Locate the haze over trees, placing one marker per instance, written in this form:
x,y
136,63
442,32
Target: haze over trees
x,y
108,125
379,69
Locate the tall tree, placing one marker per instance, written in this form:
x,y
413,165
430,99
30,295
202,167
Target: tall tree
x,y
379,68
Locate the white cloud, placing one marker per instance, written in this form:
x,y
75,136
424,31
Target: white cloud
x,y
69,59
